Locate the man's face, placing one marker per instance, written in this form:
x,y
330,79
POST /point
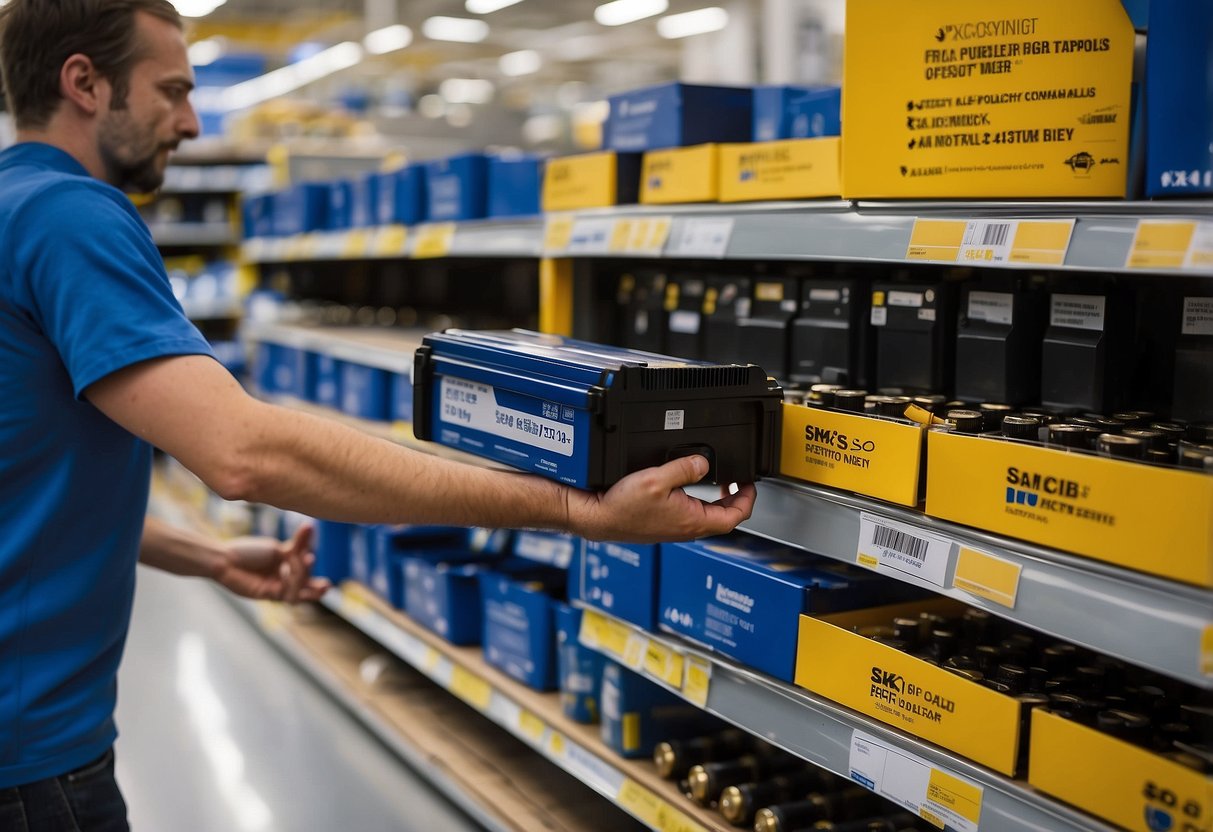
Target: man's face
x,y
134,142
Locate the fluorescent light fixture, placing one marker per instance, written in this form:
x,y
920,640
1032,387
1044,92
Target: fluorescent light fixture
x,y
388,39
487,6
619,12
698,22
292,77
523,62
466,90
195,8
457,29
203,52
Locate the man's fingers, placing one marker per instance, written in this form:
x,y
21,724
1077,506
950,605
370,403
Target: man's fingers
x,y
686,470
301,540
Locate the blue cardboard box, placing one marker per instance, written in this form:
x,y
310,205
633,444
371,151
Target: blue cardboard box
x,y
280,369
365,205
1179,99
332,550
300,209
323,380
620,579
578,669
637,714
550,548
258,214
677,115
365,391
782,112
401,405
400,196
457,187
444,597
341,205
743,597
387,547
519,622
515,183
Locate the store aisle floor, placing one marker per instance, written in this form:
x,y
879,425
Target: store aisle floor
x,y
220,731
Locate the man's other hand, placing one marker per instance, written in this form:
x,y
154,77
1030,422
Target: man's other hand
x,y
269,569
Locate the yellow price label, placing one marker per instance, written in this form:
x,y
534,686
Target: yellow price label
x,y
531,725
389,240
697,681
557,233
430,661
653,810
663,663
1161,244
1206,651
272,615
356,243
606,634
434,240
556,744
634,650
621,236
960,796
658,233
471,688
354,600
987,576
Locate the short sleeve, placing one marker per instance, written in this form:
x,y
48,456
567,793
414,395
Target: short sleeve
x,y
93,280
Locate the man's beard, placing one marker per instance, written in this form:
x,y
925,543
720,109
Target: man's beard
x,y
140,174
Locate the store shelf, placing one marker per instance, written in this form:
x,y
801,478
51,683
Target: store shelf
x,y
194,234
533,717
385,348
211,310
1152,622
814,728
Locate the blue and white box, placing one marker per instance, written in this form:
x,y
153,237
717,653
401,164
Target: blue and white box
x,y
637,714
1179,99
457,188
324,379
332,550
620,579
519,622
281,369
444,597
365,207
401,196
365,391
301,209
783,112
515,184
341,205
678,115
553,549
578,669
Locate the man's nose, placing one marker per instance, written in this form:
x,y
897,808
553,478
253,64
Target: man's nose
x,y
188,125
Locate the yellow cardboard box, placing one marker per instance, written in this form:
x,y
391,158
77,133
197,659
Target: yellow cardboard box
x,y
906,692
963,99
1115,780
1145,517
791,169
877,457
590,180
680,174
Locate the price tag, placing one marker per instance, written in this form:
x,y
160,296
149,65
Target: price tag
x,y
357,243
903,550
634,649
697,680
471,688
991,241
556,745
914,784
354,601
604,634
557,232
273,616
531,726
662,663
621,236
1172,244
429,663
389,241
987,576
701,237
591,235
652,810
1200,250
434,240
649,235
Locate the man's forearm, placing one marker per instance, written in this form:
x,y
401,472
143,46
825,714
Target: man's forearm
x,y
179,551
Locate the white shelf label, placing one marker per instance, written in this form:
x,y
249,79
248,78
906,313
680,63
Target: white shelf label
x,y
992,307
914,784
905,550
591,770
1198,316
591,235
880,315
701,237
474,405
987,240
1077,311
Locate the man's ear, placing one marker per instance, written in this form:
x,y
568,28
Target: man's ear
x,y
81,85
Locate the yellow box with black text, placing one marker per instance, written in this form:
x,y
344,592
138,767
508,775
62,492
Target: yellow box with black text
x,y
591,180
792,169
680,174
906,692
876,457
1116,780
1146,517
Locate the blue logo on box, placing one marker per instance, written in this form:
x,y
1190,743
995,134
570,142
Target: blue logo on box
x,y
863,781
1014,495
1158,820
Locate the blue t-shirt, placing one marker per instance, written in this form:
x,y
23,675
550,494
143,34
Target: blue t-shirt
x,y
83,293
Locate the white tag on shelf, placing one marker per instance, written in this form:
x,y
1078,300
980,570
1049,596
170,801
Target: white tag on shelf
x,y
914,784
701,237
590,235
1078,311
902,549
991,307
1198,316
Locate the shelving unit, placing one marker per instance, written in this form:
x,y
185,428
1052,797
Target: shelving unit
x,y
201,234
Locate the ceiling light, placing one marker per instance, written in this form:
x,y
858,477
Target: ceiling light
x,y
458,29
619,12
487,6
698,22
201,53
292,77
466,90
196,8
523,62
388,39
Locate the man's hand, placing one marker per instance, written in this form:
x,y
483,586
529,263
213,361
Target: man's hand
x,y
265,568
650,506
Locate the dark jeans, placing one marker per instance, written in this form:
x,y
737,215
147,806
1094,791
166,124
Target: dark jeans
x,y
84,800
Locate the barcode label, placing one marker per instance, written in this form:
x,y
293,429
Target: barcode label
x,y
986,241
901,542
996,235
889,546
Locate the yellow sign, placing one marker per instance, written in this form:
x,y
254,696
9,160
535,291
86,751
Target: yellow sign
x,y
792,169
697,683
434,240
662,663
961,796
389,241
876,457
1112,779
1161,244
653,811
599,632
987,576
531,725
965,100
991,241
470,688
681,174
585,181
904,691
1105,509
556,233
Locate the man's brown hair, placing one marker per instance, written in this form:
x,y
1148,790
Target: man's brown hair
x,y
38,36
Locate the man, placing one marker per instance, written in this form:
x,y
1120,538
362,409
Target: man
x,y
98,364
